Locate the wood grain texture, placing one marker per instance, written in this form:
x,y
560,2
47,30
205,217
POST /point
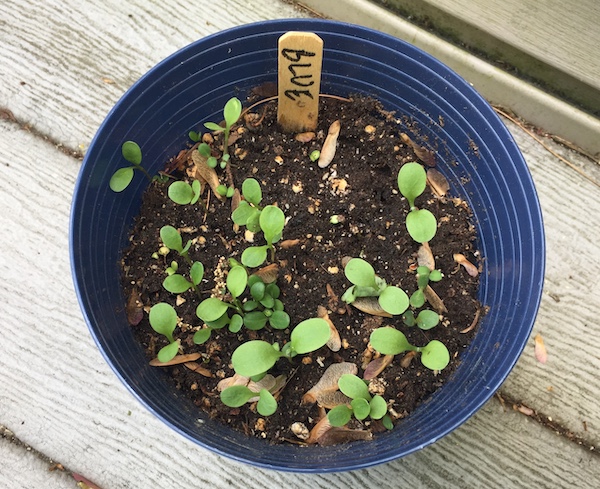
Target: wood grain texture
x,y
58,394
65,57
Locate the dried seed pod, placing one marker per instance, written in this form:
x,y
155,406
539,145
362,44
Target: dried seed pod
x,y
436,302
377,366
468,266
269,273
336,436
438,183
331,399
334,343
407,359
541,355
134,308
329,380
197,368
370,305
425,257
318,430
286,244
206,174
178,359
330,145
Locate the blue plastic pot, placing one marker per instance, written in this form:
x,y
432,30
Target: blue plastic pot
x,y
191,87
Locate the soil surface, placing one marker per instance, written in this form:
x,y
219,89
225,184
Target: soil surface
x,y
360,187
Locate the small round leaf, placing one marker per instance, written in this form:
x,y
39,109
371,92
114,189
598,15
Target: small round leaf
x,y
197,272
176,284
393,300
181,193
309,335
202,335
279,320
360,408
267,404
254,256
389,341
435,355
339,415
132,152
211,309
168,352
236,395
354,387
427,319
272,221
421,225
236,323
232,111
360,273
121,179
237,279
251,191
378,407
255,320
171,238
163,319
254,358
412,180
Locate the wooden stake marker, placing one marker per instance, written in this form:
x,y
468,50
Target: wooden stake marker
x,y
299,81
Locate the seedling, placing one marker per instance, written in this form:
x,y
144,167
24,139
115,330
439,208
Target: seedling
x,y
262,308
424,276
420,223
425,320
183,193
390,341
121,179
270,220
163,320
362,406
392,299
238,395
231,114
175,282
254,358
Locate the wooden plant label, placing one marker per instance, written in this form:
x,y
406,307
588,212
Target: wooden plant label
x,y
299,80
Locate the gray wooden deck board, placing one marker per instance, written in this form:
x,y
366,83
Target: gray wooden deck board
x,y
57,393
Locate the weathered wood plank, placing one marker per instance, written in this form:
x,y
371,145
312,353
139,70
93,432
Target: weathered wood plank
x,y
61,58
566,388
59,395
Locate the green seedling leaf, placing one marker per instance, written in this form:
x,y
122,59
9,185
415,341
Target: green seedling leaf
x,y
197,190
197,272
409,318
360,273
212,162
232,111
387,422
251,191
163,319
254,256
244,213
257,290
237,279
354,387
427,319
249,306
221,190
213,126
171,238
339,415
435,275
132,152
278,306
389,341
421,225
378,407
204,150
272,221
273,290
219,323
211,309
393,300
236,395
422,277
267,404
181,192
360,408
279,320
194,136
121,179
176,284
267,302
435,355
236,323
167,353
254,358
202,335
412,180
309,335
417,299
255,320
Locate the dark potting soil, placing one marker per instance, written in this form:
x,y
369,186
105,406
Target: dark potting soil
x,y
360,187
